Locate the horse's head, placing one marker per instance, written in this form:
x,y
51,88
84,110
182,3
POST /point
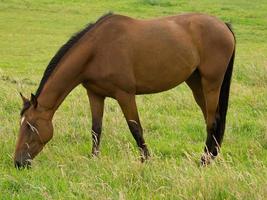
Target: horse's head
x,y
35,131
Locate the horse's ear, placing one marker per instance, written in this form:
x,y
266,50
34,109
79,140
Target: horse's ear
x,y
24,99
34,100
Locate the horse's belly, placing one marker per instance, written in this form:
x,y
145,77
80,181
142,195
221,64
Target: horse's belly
x,y
164,68
160,80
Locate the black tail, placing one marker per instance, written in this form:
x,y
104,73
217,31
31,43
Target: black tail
x,y
224,96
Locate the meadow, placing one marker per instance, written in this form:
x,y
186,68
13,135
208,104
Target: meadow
x,y
30,34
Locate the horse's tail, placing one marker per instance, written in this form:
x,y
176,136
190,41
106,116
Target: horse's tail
x,y
224,95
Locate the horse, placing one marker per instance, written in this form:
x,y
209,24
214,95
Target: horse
x,y
120,57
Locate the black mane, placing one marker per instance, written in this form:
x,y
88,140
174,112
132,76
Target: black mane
x,y
63,50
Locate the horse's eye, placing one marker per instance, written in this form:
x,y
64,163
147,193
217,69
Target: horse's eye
x,y
31,127
28,127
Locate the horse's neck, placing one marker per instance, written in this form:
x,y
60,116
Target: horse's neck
x,y
66,76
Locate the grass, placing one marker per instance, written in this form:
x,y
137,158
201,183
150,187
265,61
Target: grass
x,y
32,31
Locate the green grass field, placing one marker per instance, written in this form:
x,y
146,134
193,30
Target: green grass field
x,y
30,34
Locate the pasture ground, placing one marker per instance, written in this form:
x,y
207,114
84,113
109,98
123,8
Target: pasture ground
x,y
32,31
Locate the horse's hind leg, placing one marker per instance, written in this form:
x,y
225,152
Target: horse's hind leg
x,y
202,98
128,105
194,82
211,81
97,107
211,93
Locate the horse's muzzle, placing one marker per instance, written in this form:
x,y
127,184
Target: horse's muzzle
x,y
22,163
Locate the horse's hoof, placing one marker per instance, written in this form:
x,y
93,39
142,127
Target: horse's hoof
x,y
206,159
144,155
95,153
143,158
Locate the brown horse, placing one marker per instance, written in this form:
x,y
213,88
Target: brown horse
x,y
120,57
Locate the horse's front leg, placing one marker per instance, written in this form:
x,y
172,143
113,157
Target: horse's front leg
x,y
129,109
97,107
